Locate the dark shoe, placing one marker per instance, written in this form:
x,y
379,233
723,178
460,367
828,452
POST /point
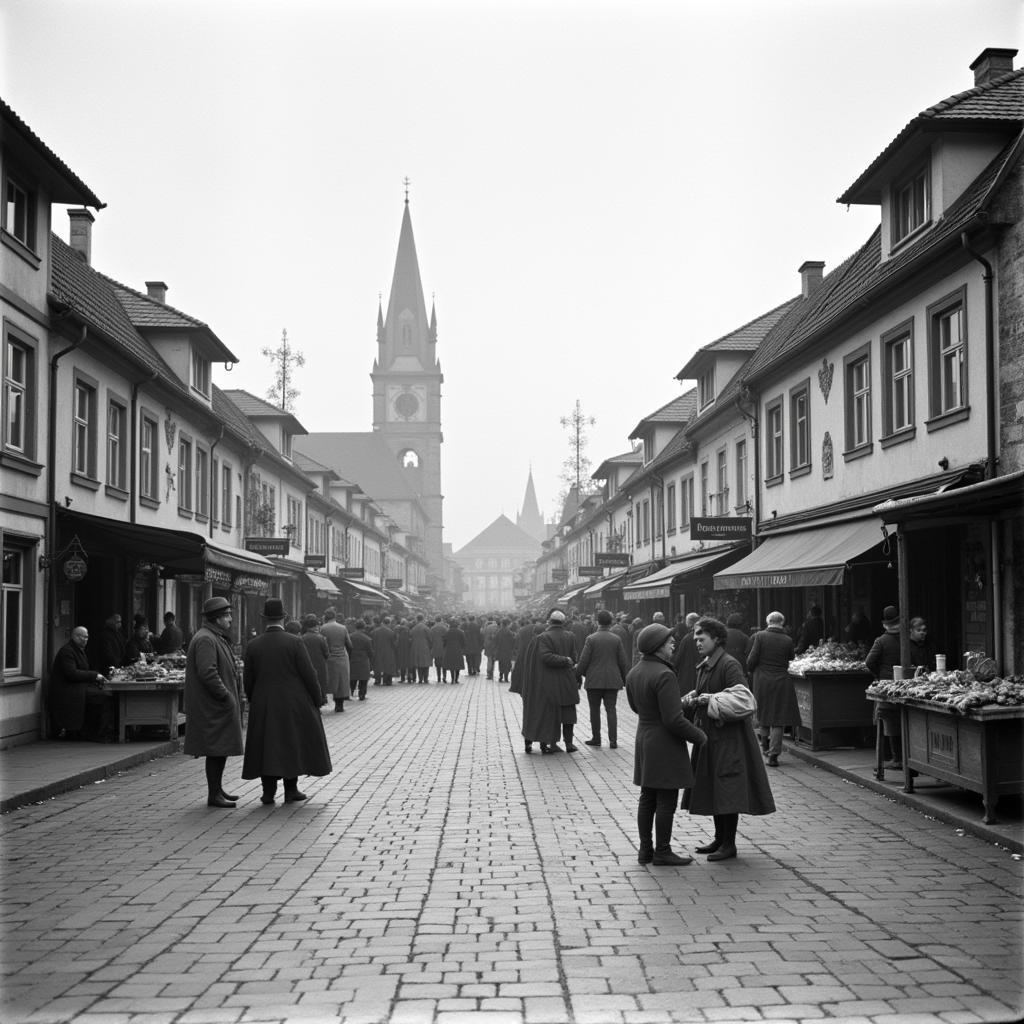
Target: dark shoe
x,y
725,852
645,854
218,801
267,799
773,760
595,742
362,696
554,748
529,748
294,797
667,858
228,796
711,847
545,749
613,745
570,749
765,741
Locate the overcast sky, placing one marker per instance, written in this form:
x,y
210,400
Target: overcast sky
x,y
598,189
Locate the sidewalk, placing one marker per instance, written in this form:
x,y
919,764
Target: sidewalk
x,y
36,772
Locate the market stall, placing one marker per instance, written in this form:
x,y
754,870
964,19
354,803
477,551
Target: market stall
x,y
830,681
149,693
964,727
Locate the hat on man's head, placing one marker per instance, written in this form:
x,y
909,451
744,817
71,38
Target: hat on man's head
x,y
309,620
273,608
891,616
556,616
651,637
214,607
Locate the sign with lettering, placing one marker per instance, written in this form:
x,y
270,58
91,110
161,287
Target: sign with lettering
x,y
315,561
352,574
720,528
393,583
268,545
612,559
252,584
218,577
560,574
552,588
425,591
75,568
589,570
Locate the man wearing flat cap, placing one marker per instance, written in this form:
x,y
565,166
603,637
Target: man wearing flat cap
x,y
213,717
285,736
550,689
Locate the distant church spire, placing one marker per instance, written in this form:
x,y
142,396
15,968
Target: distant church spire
x,y
529,519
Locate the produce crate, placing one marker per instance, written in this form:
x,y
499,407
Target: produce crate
x,y
833,711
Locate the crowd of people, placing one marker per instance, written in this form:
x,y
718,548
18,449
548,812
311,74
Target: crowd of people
x,y
712,699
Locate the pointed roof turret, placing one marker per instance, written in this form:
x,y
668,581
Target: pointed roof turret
x,y
530,519
406,329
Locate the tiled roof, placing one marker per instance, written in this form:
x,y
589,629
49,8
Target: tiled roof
x,y
678,411
65,186
258,408
501,535
310,465
364,458
1000,101
851,284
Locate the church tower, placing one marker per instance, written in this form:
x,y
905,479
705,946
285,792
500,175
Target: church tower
x,y
529,519
407,382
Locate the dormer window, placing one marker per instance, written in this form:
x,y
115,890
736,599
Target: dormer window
x,y
648,450
200,373
19,212
911,208
706,388
286,445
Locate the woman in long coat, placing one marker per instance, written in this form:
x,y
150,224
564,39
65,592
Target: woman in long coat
x,y
361,658
771,651
729,774
285,736
661,764
454,650
213,714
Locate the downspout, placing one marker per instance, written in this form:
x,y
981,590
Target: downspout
x,y
992,427
751,417
135,442
658,504
51,498
213,478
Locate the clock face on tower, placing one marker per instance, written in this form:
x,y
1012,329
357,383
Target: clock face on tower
x,y
407,404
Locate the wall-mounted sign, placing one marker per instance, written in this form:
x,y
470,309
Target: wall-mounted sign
x,y
589,570
218,577
425,591
75,568
612,559
552,588
351,574
268,545
315,561
560,574
720,528
252,584
393,583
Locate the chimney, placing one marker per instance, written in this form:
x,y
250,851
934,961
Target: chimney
x,y
992,63
157,290
810,277
81,232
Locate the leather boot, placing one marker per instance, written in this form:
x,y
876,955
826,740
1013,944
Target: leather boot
x,y
646,852
711,847
665,856
725,852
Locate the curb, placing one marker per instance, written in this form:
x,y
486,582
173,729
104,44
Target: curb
x,y
84,778
974,828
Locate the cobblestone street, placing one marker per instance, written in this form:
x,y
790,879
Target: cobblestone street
x,y
441,874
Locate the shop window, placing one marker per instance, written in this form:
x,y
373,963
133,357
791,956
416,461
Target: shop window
x,y
947,359
800,429
149,459
898,377
117,425
773,441
83,442
13,608
185,474
19,212
20,395
857,377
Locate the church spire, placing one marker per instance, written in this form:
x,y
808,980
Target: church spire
x,y
529,519
406,328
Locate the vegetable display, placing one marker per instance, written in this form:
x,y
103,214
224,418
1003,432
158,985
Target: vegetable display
x,y
976,686
829,656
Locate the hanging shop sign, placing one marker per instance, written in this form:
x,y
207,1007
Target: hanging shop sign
x,y
218,577
251,584
75,568
425,591
552,588
268,545
721,528
393,583
560,574
352,574
589,570
612,559
315,561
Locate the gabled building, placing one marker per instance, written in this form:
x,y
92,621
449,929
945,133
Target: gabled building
x,y
490,563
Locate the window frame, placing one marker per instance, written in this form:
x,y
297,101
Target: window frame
x,y
742,467
706,389
201,374
28,238
201,478
800,430
185,473
88,429
856,447
939,414
722,481
902,333
149,478
670,503
23,455
704,487
901,231
117,467
23,635
774,442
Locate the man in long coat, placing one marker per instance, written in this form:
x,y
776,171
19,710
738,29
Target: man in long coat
x,y
74,688
419,649
524,637
437,632
504,650
603,663
318,649
285,737
385,646
454,650
549,687
771,651
729,775
490,631
339,644
403,646
474,645
213,709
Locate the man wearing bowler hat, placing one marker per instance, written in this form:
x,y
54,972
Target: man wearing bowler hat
x,y
285,736
213,718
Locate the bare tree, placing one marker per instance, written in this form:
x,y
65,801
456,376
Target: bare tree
x,y
576,468
285,359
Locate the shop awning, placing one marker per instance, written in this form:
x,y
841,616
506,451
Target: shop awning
x,y
987,498
323,585
602,585
368,595
571,594
237,559
659,584
805,558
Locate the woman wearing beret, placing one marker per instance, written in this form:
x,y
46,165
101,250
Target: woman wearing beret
x,y
661,763
213,717
729,775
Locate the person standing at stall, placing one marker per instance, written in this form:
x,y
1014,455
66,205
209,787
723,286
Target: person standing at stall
x,y
213,713
729,775
171,639
661,764
285,736
812,632
771,651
